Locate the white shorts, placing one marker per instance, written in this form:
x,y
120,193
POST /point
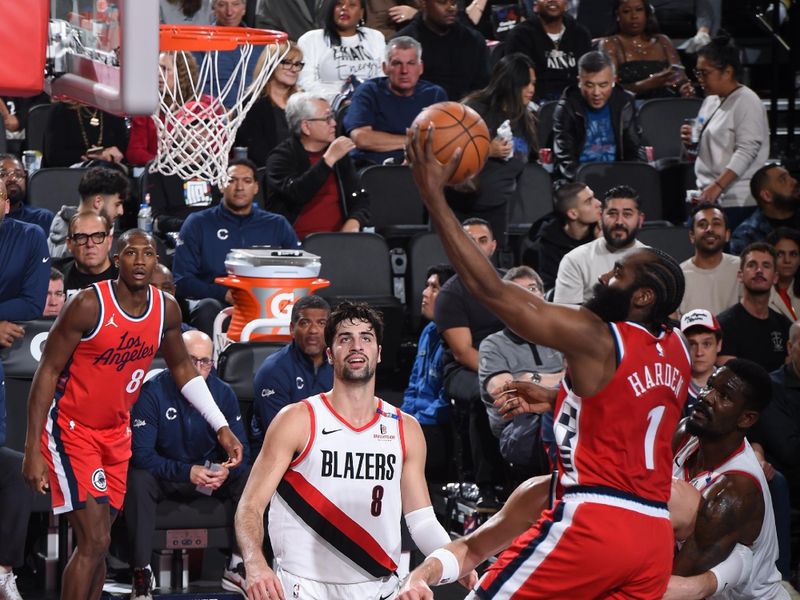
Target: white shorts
x,y
300,588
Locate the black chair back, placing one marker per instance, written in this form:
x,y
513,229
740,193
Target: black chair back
x,y
54,187
34,130
395,203
661,120
602,176
672,240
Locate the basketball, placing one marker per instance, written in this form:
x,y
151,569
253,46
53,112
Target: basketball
x,y
456,126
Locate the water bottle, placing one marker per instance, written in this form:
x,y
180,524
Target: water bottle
x,y
504,133
144,220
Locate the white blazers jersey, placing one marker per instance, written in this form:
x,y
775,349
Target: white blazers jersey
x,y
765,580
335,516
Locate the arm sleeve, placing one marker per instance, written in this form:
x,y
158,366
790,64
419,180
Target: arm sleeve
x,y
569,283
145,454
750,124
29,303
186,265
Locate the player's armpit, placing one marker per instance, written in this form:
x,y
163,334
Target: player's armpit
x,y
731,512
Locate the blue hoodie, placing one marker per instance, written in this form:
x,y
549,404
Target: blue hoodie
x,y
170,436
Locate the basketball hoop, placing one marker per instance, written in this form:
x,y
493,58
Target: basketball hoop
x,y
196,130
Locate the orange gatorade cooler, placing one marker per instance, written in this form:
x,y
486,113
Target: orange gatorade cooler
x,y
265,283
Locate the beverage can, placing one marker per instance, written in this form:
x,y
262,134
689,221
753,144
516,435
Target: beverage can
x,y
31,161
545,156
648,151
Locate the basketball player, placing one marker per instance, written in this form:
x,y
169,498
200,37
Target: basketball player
x,y
737,508
92,367
609,534
338,469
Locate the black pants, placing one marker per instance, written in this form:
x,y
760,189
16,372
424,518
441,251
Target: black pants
x,y
462,385
145,492
16,499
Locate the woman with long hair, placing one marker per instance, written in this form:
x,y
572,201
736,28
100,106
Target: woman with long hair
x,y
178,71
647,63
185,12
265,126
733,131
785,295
343,48
505,98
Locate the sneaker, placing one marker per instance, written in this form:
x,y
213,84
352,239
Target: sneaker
x,y
8,587
143,582
234,579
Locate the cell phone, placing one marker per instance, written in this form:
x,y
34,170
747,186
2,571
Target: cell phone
x,y
94,150
677,67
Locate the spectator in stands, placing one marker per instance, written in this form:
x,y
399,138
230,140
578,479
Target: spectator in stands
x,y
424,398
206,238
594,120
13,174
777,194
785,295
56,294
494,18
647,63
704,334
75,133
712,276
163,279
577,213
311,179
175,454
177,71
264,126
580,269
382,108
185,12
750,328
296,371
463,323
387,15
554,42
342,49
504,100
504,356
734,141
89,243
295,17
457,58
101,190
24,268
14,113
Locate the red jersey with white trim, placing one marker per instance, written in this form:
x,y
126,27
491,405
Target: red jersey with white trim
x,y
621,437
102,380
335,516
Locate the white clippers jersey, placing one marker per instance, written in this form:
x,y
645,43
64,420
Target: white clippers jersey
x,y
765,580
335,516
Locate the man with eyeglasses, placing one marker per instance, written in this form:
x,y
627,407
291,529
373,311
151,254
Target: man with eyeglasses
x,y
89,243
24,269
311,179
595,121
56,296
176,455
16,179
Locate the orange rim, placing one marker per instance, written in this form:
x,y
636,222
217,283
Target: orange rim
x,y
192,38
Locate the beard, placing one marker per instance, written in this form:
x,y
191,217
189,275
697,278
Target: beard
x,y
610,304
354,376
618,243
16,195
782,202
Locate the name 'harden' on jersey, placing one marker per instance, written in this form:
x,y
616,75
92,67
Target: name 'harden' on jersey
x,y
638,409
335,514
103,378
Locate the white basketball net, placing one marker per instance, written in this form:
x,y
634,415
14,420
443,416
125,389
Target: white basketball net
x,y
196,131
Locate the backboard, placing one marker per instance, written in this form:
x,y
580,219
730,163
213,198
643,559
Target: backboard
x,y
105,53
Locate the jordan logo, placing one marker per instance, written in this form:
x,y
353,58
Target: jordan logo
x,y
111,322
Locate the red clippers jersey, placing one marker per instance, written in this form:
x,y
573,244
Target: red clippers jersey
x,y
621,437
102,379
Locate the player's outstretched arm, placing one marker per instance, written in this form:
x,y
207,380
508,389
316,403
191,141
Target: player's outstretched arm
x,y
78,317
192,385
521,510
564,328
286,437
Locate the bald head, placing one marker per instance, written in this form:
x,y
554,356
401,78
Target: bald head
x,y
163,279
200,349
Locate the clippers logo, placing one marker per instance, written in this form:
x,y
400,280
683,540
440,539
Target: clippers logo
x,y
171,414
300,383
222,234
139,423
266,393
99,480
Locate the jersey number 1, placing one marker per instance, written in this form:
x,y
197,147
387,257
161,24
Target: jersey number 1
x,y
654,418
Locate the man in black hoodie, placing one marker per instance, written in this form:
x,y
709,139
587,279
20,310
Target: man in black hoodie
x,y
554,42
573,223
594,120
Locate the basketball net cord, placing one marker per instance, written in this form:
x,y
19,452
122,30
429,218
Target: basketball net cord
x,y
196,133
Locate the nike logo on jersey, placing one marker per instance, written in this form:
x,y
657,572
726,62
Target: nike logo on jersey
x,y
385,597
45,259
326,432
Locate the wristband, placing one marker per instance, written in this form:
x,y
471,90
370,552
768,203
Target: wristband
x,y
450,566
